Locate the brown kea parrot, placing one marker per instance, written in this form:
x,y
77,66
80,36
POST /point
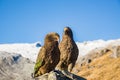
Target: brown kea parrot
x,y
68,51
48,56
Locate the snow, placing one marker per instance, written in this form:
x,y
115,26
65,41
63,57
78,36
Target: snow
x,y
87,46
25,49
30,50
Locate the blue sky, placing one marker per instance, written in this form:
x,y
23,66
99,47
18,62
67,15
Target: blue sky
x,y
27,21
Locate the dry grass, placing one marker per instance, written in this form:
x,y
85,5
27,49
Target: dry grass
x,y
102,68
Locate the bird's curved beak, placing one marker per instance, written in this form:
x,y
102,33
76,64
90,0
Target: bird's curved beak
x,y
58,39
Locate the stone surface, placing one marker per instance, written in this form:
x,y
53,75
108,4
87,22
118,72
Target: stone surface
x,y
93,54
15,67
58,75
115,52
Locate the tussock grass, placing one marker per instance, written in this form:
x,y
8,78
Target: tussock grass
x,y
102,68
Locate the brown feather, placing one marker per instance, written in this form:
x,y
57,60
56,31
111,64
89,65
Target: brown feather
x,y
49,53
69,51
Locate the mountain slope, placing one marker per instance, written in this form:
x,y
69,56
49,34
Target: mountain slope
x,y
94,62
30,51
27,50
15,67
102,68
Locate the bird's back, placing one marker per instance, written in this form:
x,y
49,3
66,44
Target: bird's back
x,y
68,49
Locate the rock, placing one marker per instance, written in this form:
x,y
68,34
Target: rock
x,y
58,75
15,67
38,44
43,77
52,76
115,52
88,58
93,54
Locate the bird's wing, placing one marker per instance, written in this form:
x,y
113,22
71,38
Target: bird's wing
x,y
40,60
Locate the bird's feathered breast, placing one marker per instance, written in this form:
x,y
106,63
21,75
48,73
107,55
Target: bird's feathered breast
x,y
68,48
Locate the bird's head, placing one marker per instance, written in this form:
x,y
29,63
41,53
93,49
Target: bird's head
x,y
68,31
52,37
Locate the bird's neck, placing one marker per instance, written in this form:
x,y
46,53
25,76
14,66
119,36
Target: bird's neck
x,y
67,37
54,43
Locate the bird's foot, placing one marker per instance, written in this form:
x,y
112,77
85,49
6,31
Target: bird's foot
x,y
68,74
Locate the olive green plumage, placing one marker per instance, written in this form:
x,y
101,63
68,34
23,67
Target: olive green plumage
x,y
48,56
38,64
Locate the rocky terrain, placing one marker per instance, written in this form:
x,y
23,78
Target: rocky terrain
x,y
98,60
15,67
59,75
105,67
102,63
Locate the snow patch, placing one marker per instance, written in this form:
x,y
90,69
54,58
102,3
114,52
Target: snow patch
x,y
31,51
25,49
